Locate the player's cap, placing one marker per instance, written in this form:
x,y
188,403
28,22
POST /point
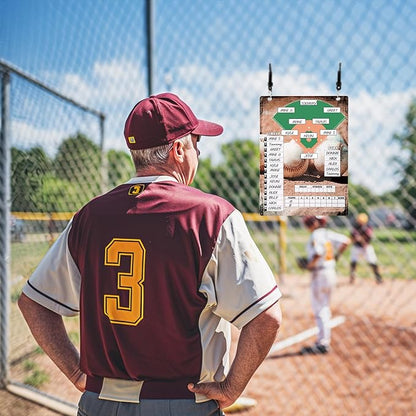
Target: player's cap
x,y
161,119
362,218
311,219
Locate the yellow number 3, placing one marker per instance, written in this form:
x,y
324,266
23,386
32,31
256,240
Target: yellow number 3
x,y
132,281
329,255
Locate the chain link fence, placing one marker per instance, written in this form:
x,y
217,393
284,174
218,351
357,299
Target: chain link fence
x,y
215,56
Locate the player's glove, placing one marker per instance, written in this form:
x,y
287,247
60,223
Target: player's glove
x,y
302,262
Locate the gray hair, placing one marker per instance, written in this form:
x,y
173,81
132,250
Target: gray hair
x,y
156,156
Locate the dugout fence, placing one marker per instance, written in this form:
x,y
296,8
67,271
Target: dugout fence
x,y
53,158
26,155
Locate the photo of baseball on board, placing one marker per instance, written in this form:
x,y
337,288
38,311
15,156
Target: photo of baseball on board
x,y
304,155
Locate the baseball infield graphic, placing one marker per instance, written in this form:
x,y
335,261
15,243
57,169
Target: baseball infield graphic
x,y
304,155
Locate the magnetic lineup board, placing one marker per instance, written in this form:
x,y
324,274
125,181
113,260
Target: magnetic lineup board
x,y
304,155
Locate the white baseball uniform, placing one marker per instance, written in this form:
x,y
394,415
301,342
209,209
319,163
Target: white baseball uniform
x,y
325,243
367,252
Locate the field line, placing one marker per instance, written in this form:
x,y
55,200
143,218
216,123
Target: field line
x,y
280,345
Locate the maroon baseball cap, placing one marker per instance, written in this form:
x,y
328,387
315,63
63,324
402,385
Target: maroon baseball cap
x,y
161,119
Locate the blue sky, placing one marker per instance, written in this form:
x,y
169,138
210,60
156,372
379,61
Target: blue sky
x,y
215,55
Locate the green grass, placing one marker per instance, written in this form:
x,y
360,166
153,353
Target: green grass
x,y
29,365
36,376
15,293
73,336
395,249
25,257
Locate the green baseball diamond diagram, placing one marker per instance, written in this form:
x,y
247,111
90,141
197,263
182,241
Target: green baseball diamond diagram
x,y
300,111
309,112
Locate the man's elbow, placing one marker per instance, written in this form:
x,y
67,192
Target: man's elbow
x,y
271,319
275,316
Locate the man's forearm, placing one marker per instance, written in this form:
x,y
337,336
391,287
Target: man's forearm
x,y
312,263
254,343
49,332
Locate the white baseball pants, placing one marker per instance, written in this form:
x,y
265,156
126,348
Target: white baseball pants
x,y
322,285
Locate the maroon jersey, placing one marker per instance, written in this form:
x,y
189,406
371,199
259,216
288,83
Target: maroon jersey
x,y
141,254
157,270
361,235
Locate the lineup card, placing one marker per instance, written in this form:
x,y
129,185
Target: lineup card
x,y
304,155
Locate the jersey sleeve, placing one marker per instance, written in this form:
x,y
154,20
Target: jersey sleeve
x,y
368,234
338,239
317,244
55,283
237,281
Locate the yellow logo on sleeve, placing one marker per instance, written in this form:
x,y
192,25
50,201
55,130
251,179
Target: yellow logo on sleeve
x,y
136,189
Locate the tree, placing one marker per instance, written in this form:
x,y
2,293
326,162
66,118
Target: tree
x,y
78,160
360,198
120,167
236,178
63,184
204,176
27,171
241,173
406,192
60,195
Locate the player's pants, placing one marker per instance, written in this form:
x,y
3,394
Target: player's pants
x,y
91,405
322,284
366,252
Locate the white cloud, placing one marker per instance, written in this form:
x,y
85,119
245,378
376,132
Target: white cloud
x,y
232,99
373,120
28,135
119,81
111,83
73,85
112,88
49,135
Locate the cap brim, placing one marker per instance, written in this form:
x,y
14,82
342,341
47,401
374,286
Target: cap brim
x,y
207,128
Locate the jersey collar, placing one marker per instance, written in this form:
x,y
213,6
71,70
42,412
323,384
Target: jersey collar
x,y
149,179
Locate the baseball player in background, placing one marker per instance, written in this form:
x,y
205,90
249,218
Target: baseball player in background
x,y
158,271
361,236
323,249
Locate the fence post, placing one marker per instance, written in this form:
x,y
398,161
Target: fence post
x,y
4,224
103,155
150,44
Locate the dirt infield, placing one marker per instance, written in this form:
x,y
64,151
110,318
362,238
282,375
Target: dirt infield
x,y
354,379
370,370
371,367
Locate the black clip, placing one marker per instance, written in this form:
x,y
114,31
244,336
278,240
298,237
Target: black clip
x,y
339,83
270,82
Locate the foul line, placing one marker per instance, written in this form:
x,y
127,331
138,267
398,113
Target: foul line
x,y
278,346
